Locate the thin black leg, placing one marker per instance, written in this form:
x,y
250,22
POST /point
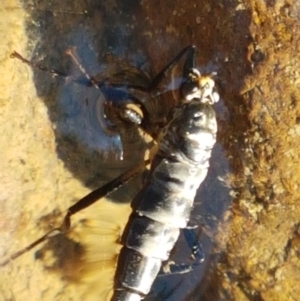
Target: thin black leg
x,y
193,243
83,203
189,51
190,61
171,268
104,86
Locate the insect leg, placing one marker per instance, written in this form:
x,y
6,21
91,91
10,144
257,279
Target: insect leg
x,y
190,61
86,81
142,114
135,113
131,109
189,51
193,242
171,268
95,195
83,203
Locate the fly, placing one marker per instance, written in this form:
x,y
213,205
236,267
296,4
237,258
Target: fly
x,y
163,205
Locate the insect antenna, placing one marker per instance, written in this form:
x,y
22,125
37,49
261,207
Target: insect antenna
x,y
54,72
72,53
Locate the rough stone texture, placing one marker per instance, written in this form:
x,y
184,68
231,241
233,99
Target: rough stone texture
x,y
260,259
53,152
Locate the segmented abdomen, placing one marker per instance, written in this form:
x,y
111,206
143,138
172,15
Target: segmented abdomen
x,y
164,204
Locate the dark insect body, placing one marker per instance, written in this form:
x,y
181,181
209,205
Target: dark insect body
x,y
164,204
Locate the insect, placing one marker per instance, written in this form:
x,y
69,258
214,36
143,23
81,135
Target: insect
x,y
162,207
